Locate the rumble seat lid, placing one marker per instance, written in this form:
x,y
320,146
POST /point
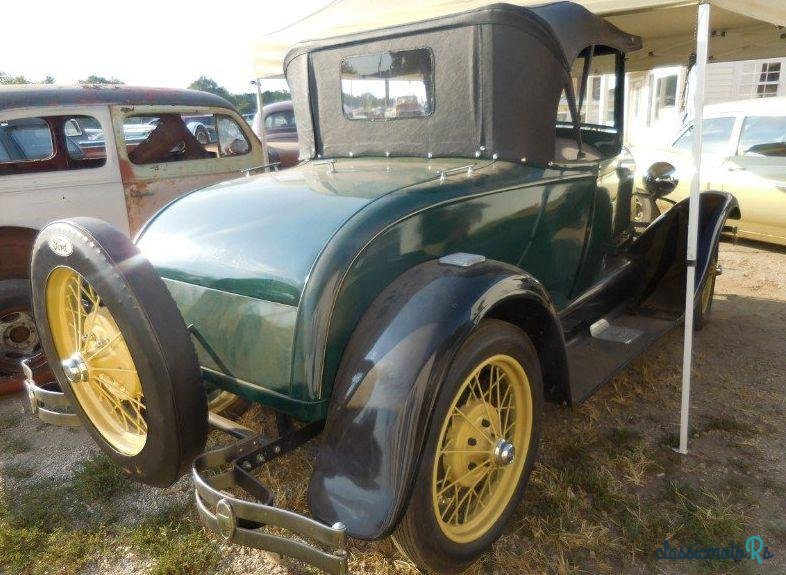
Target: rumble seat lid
x,y
260,236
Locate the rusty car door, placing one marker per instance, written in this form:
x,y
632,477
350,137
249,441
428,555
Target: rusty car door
x,y
150,183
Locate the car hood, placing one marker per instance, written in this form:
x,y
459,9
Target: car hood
x,y
260,236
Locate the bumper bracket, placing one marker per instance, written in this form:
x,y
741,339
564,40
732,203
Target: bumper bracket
x,y
50,405
243,522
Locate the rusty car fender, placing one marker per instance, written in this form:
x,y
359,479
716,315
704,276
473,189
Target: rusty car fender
x,y
390,377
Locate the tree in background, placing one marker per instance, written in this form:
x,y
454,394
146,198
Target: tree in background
x,y
245,103
93,79
6,80
209,85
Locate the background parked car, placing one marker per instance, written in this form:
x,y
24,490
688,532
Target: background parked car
x,y
117,154
281,133
745,155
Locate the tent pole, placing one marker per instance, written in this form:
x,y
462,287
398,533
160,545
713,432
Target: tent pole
x,y
259,122
702,49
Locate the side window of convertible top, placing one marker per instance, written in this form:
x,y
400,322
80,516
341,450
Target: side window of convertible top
x,y
388,85
599,96
600,137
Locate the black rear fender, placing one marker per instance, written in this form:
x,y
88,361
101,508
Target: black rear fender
x,y
390,377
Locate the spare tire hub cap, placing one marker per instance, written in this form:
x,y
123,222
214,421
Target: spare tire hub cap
x,y
75,369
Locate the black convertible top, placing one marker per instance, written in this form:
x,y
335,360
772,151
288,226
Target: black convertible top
x,y
498,74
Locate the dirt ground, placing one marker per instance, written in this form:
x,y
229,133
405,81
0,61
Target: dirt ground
x,y
607,492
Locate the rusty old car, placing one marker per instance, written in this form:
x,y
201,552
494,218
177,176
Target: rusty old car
x,y
112,152
408,296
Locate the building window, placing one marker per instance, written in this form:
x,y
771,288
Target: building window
x,y
761,79
665,94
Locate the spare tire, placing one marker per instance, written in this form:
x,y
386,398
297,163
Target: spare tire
x,y
119,348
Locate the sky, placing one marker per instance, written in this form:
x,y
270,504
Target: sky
x,y
150,43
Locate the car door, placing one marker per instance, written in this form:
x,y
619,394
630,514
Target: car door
x,y
718,145
756,176
51,167
164,155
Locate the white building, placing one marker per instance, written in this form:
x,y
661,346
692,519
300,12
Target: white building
x,y
655,110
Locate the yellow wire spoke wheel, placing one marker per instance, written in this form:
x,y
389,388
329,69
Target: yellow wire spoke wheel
x,y
96,361
482,449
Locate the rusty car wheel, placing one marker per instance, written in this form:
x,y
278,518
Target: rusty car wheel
x,y
18,333
119,348
479,453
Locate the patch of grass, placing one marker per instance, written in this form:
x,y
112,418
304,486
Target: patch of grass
x,y
34,551
100,478
705,518
19,472
174,539
15,445
672,439
622,438
728,424
9,420
42,504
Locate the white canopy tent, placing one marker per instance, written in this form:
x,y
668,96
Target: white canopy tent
x,y
671,30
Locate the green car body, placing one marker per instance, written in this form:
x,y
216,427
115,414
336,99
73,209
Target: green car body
x,y
290,256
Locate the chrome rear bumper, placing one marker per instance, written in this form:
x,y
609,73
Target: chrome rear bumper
x,y
49,404
244,522
215,472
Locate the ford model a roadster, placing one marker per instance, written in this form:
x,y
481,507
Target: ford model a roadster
x,y
454,249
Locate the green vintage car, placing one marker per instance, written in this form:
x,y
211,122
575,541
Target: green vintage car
x,y
454,248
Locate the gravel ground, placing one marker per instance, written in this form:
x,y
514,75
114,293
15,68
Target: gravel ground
x,y
740,362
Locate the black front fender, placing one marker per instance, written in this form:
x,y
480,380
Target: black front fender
x,y
388,382
661,250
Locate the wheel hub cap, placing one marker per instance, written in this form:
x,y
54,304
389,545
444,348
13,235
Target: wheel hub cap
x,y
504,453
75,369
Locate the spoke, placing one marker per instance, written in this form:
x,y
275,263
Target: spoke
x,y
136,424
506,408
472,423
76,292
458,480
475,451
467,498
117,337
486,405
497,381
114,369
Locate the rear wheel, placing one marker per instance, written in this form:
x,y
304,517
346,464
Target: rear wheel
x,y
119,348
18,333
479,452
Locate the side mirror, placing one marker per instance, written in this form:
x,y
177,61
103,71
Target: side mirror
x,y
661,179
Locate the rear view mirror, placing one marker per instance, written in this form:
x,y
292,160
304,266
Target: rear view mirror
x,y
661,179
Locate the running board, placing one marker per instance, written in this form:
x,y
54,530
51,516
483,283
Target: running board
x,y
597,355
